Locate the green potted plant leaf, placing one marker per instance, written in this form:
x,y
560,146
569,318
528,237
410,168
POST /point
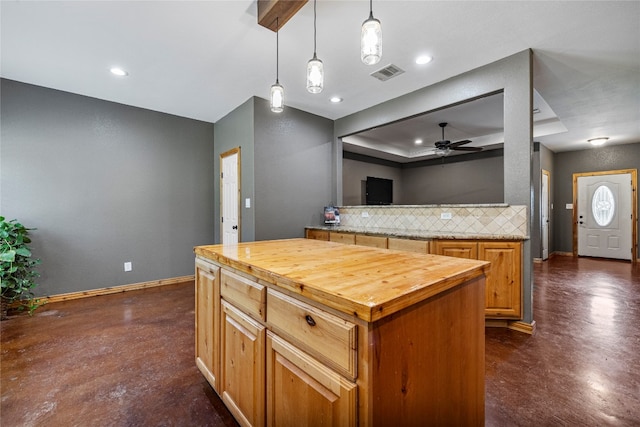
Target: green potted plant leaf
x,y
17,267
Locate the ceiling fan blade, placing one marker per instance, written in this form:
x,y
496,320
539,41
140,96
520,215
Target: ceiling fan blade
x,y
466,148
456,144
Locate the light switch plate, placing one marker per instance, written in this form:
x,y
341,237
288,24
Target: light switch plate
x,y
247,203
569,206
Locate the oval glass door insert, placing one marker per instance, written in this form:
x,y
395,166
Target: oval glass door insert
x,y
603,206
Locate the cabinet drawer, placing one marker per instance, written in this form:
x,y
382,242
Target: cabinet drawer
x,y
318,234
328,337
244,293
420,246
373,241
345,238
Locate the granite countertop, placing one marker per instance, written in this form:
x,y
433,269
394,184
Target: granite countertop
x,y
360,281
417,234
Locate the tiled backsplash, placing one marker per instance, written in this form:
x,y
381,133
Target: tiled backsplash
x,y
476,219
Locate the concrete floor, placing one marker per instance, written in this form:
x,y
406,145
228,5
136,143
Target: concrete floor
x,y
128,359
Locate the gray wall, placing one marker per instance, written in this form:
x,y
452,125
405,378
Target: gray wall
x,y
104,183
355,173
234,130
472,178
566,164
476,180
292,170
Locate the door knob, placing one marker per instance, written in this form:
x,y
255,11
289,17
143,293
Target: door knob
x,y
235,227
581,222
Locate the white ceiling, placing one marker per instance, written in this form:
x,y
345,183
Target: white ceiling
x,y
203,59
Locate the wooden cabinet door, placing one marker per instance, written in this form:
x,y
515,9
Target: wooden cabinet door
x,y
456,248
208,320
242,366
302,392
504,283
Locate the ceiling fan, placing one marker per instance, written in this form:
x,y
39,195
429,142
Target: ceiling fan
x,y
444,146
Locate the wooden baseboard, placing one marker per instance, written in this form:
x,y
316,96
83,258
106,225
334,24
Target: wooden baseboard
x,y
113,289
516,325
527,328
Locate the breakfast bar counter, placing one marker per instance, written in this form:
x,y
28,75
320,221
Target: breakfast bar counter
x,y
306,332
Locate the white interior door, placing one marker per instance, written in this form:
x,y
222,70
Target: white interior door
x,y
545,213
604,216
230,196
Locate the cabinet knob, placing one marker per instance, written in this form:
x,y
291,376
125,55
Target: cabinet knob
x,y
310,320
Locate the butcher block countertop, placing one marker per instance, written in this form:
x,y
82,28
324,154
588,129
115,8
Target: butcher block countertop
x,y
365,282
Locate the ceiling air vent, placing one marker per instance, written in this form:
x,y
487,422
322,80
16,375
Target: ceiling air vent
x,y
387,72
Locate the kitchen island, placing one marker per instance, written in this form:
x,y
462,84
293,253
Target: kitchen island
x,y
304,332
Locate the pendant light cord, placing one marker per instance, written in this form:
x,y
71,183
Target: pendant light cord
x,y
370,9
314,28
277,50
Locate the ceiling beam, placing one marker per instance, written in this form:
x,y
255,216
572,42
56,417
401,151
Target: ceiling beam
x,y
269,10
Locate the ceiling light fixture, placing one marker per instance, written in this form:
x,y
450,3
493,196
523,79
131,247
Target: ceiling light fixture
x,y
277,91
371,39
118,72
598,141
336,99
423,59
418,141
315,69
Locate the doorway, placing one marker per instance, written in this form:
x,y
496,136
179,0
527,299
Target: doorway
x,y
545,212
230,196
604,223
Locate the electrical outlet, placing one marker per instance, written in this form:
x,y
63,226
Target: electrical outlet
x,y
128,266
445,215
365,214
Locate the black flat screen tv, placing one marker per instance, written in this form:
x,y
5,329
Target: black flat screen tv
x,y
379,191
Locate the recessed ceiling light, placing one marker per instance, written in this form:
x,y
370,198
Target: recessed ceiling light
x,y
336,99
423,59
418,141
118,72
598,141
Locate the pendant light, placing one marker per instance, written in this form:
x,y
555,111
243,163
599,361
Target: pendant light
x,y
371,39
277,91
315,69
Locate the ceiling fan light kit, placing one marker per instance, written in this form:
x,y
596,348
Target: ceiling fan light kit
x,y
371,39
315,68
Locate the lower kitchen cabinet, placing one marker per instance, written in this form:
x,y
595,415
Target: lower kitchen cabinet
x,y
242,348
304,392
207,279
503,290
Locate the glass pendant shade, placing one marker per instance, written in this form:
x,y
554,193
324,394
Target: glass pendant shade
x,y
371,41
315,75
277,98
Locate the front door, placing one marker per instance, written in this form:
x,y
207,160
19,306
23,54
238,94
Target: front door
x,y
230,196
604,210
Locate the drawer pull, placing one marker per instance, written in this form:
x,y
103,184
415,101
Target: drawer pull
x,y
310,320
